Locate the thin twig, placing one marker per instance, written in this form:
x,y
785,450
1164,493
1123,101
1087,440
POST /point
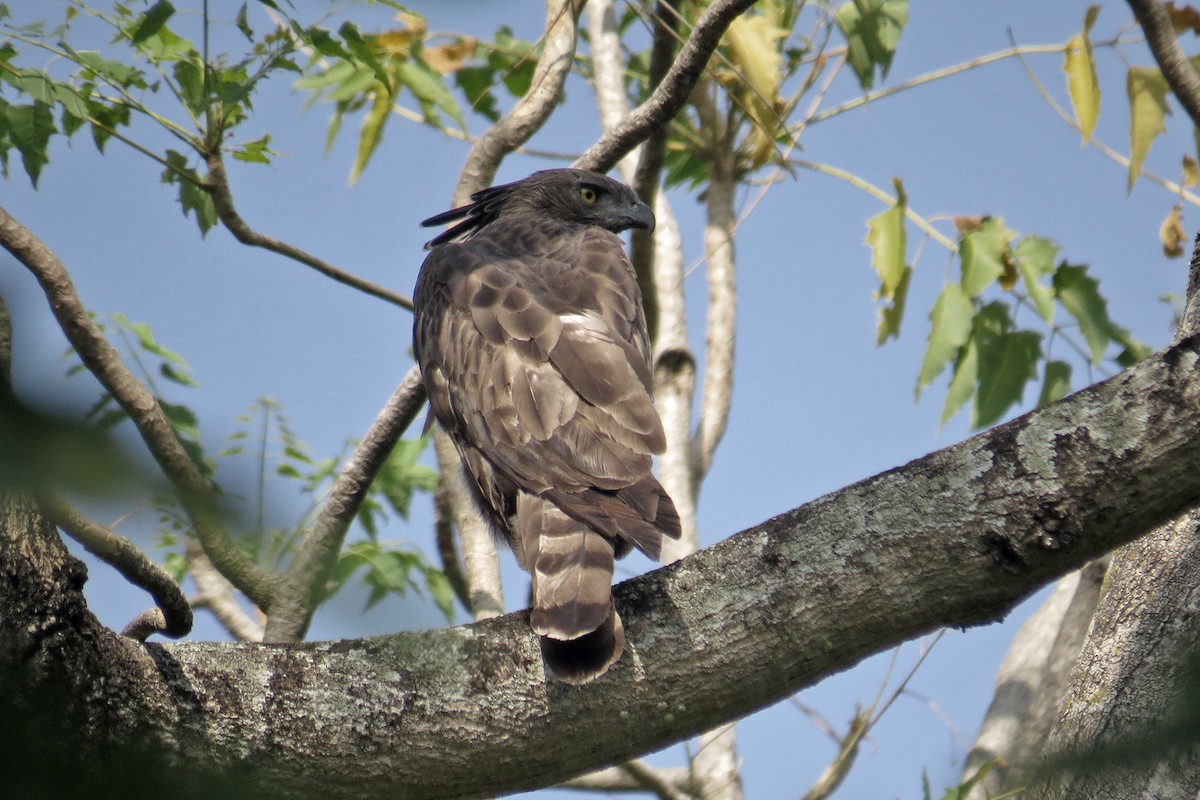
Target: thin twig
x,y
1171,186
102,360
531,111
716,394
215,594
126,558
318,550
217,186
618,779
452,563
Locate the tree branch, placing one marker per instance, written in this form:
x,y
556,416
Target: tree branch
x,y
671,783
672,94
103,361
217,186
531,111
215,594
125,557
315,556
720,222
1164,45
957,538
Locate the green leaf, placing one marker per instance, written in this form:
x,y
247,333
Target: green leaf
x,y
372,132
190,77
255,152
872,29
962,381
1147,89
1080,296
152,21
176,375
1133,350
362,53
1082,85
952,317
886,238
1056,382
476,84
890,316
983,252
427,86
243,24
1035,257
1007,362
30,127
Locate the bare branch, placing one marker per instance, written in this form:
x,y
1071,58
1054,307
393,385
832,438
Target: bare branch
x,y
721,221
480,559
532,110
217,185
671,783
1164,45
608,76
452,564
658,782
125,557
672,94
102,361
1030,684
215,594
318,550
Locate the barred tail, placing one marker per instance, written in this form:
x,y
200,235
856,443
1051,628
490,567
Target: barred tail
x,y
572,567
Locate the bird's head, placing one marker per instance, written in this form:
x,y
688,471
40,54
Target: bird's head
x,y
575,196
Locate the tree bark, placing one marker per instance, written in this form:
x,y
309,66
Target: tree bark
x,y
1127,727
955,538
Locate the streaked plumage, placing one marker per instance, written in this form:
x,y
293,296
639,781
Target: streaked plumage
x,y
533,347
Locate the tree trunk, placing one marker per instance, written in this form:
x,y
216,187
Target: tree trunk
x,y
1128,724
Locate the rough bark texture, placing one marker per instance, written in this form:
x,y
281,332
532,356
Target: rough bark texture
x,y
1030,684
1130,712
956,538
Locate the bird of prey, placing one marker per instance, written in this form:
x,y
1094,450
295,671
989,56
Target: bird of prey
x,y
532,342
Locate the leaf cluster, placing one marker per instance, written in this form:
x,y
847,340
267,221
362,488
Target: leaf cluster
x,y
975,321
265,435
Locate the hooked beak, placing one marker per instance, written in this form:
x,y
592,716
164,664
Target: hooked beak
x,y
640,216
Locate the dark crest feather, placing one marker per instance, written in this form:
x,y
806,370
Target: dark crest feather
x,y
480,212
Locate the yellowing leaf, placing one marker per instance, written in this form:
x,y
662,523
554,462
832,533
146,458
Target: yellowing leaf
x,y
1184,19
891,316
1191,177
1080,68
372,131
1147,89
752,41
1171,233
447,58
886,238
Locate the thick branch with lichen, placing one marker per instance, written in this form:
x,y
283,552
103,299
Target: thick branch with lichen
x,y
833,581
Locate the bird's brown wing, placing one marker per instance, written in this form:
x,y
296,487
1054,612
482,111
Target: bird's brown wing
x,y
535,350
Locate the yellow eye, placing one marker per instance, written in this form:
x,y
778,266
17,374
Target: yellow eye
x,y
588,195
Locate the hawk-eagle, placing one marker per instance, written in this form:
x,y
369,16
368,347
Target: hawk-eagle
x,y
532,343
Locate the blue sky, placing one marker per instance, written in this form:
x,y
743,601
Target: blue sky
x,y
816,404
